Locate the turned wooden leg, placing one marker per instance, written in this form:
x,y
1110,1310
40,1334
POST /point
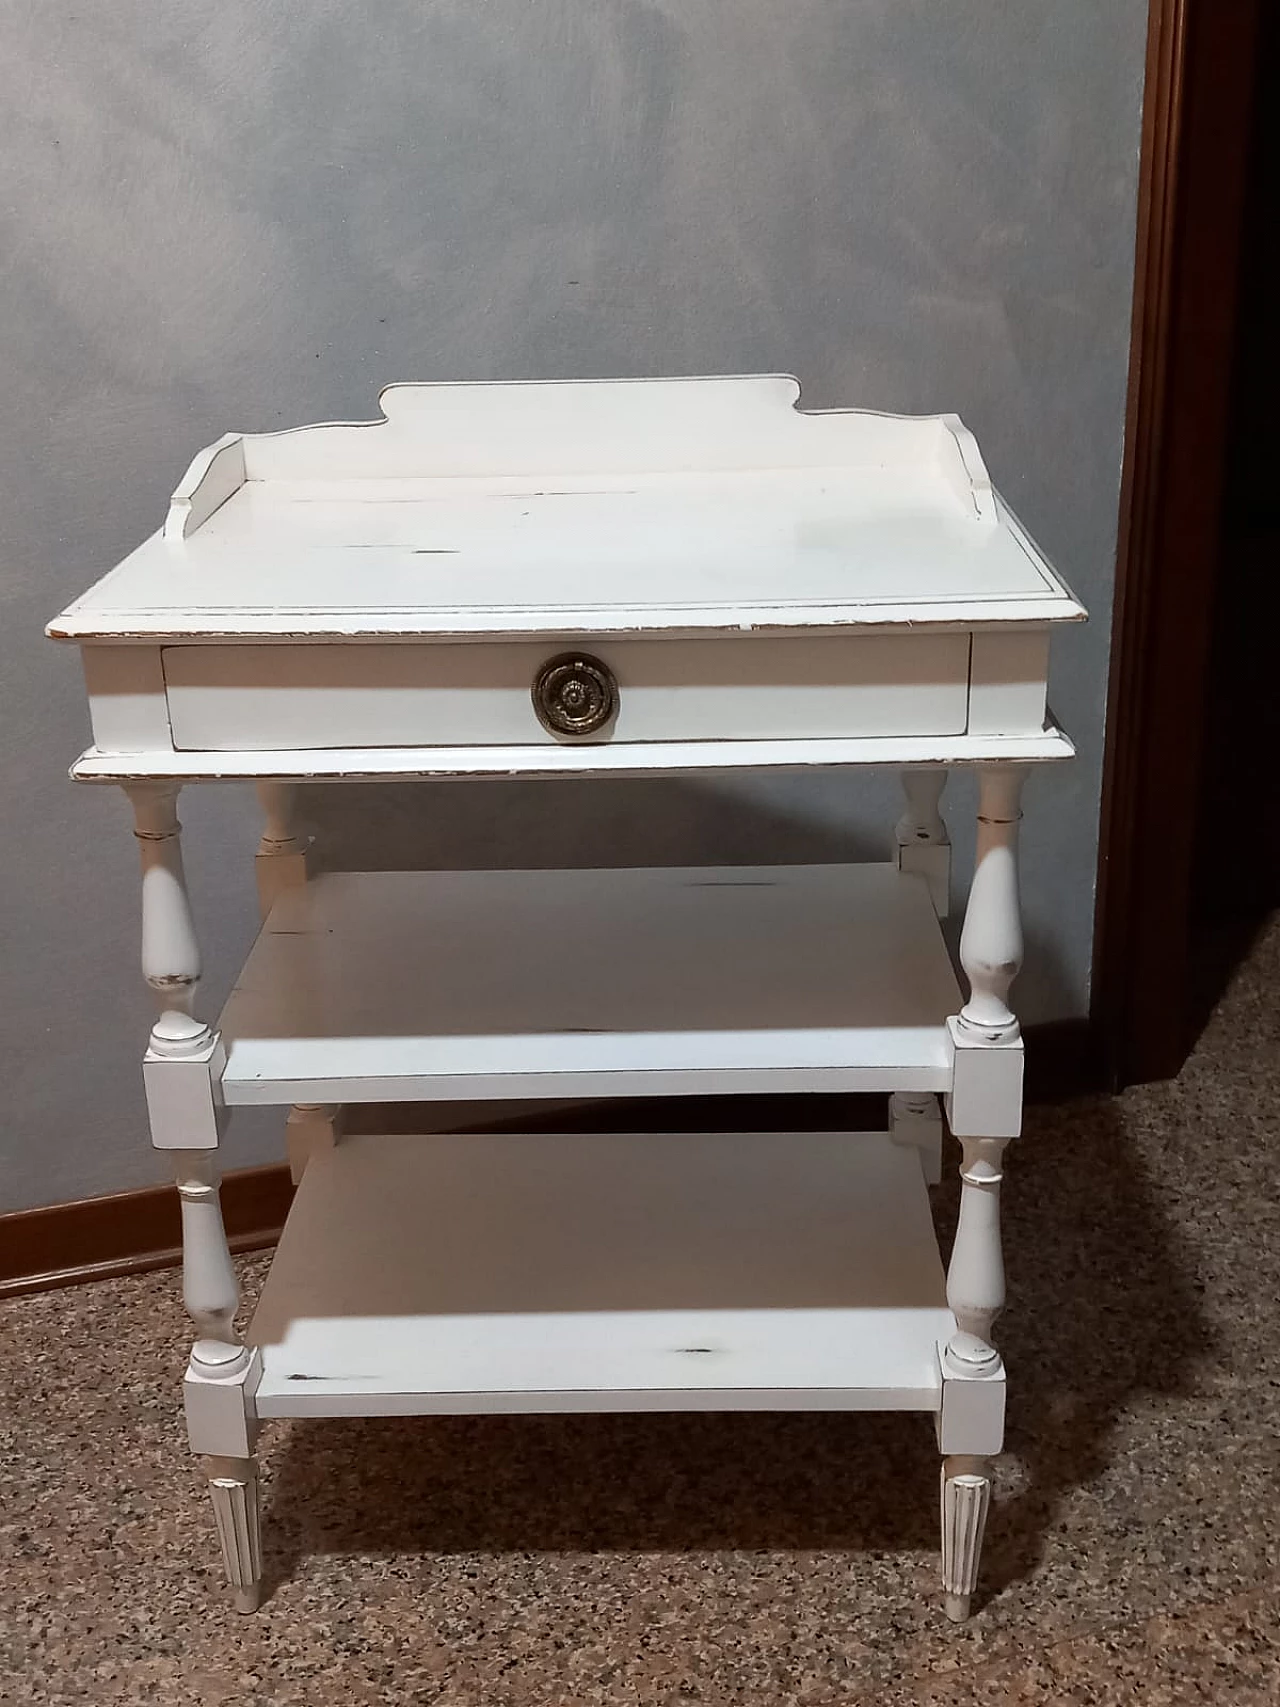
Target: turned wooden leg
x,y
985,1109
311,1126
281,861
972,1371
281,864
219,1375
182,1072
988,1068
923,845
170,952
975,1275
915,1118
209,1288
991,941
966,1498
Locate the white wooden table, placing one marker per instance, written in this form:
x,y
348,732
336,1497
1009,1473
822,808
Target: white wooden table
x,y
633,577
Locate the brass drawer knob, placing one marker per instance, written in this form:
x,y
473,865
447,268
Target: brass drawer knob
x,y
575,694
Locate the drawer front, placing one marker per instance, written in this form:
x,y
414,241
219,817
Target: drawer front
x,y
260,698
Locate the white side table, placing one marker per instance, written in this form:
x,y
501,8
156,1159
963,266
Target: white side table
x,y
617,578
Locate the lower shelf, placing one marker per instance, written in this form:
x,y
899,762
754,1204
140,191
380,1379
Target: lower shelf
x,y
721,1271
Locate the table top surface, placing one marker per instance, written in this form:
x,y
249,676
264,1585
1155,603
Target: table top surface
x,y
695,506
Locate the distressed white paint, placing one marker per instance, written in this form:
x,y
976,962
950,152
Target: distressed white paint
x,y
913,208
209,1288
581,1273
991,941
587,758
170,952
966,1499
985,1098
975,1275
214,476
599,508
384,985
183,1086
916,1119
311,1127
707,1271
127,703
233,1488
1007,677
973,1402
246,698
553,429
281,859
922,844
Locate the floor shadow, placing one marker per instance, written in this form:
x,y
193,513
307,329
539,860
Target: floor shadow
x,y
1102,1310
567,822
636,1483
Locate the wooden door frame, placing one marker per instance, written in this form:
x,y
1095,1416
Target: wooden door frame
x,y
1195,150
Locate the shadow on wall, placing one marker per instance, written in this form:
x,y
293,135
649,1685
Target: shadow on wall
x,y
574,822
1103,1312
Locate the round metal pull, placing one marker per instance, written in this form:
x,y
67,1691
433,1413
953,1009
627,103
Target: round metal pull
x,y
575,694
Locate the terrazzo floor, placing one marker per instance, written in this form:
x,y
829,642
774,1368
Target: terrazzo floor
x,y
1134,1555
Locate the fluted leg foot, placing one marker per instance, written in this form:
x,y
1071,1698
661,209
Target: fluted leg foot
x,y
233,1487
966,1498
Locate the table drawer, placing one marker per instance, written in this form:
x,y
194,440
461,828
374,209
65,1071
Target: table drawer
x,y
259,698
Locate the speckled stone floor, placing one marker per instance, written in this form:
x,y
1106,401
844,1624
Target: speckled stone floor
x,y
1133,1556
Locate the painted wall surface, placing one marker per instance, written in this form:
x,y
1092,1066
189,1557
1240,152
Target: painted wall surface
x,y
245,217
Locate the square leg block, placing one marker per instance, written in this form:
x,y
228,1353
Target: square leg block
x,y
985,1099
184,1099
971,1421
219,1413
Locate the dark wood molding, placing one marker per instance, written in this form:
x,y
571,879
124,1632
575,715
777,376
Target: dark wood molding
x,y
132,1232
1199,91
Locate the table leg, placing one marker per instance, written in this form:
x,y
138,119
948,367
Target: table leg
x,y
281,864
311,1126
922,843
986,1111
233,1488
220,1375
915,1119
991,940
966,1498
281,861
182,1073
170,952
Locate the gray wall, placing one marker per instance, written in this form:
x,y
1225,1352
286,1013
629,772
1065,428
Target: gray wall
x,y
248,216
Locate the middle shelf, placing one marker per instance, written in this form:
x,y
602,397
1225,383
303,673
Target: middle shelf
x,y
404,986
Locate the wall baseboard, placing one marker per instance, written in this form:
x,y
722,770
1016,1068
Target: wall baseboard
x,y
131,1232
